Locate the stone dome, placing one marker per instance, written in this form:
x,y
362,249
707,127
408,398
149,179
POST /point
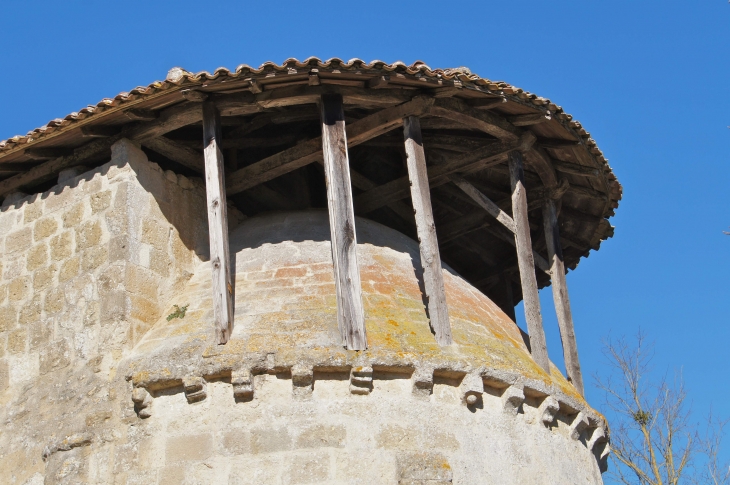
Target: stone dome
x,y
288,403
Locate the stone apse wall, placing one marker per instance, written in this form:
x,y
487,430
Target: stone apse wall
x,y
90,270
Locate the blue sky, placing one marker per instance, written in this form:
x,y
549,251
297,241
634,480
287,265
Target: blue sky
x,y
648,79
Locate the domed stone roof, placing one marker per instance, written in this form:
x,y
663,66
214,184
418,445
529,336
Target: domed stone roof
x,y
286,313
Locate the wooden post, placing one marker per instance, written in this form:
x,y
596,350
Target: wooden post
x,y
526,263
350,313
217,224
560,295
433,279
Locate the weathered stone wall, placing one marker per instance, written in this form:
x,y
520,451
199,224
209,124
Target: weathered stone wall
x,y
97,386
87,268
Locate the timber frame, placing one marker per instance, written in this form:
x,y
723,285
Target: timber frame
x,y
265,139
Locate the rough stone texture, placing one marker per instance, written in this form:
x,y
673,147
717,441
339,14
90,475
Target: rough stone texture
x,y
99,387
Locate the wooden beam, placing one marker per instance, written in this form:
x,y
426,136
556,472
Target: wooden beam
x,y
47,153
494,210
350,312
168,120
476,160
176,152
140,114
574,168
217,224
48,170
99,131
457,110
526,262
529,119
486,103
557,143
433,278
560,295
311,151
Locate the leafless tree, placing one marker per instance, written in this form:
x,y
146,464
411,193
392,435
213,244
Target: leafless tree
x,y
652,438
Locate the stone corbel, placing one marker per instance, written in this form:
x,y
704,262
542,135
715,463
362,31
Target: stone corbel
x,y
548,409
471,388
302,378
422,382
361,380
142,402
242,382
512,399
579,424
195,389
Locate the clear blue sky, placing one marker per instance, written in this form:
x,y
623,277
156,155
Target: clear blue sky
x,y
650,80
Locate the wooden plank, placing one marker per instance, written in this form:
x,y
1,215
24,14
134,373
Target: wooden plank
x,y
574,168
476,160
526,262
433,279
486,103
310,151
168,120
140,114
457,110
217,224
47,153
176,152
560,295
529,119
99,131
48,170
350,313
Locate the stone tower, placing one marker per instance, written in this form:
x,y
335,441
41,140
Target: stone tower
x,y
371,338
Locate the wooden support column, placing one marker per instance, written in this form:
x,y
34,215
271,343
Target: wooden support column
x,y
560,294
350,313
526,262
217,224
433,278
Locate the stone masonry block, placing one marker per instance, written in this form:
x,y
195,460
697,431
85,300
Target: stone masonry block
x,y
141,281
94,257
4,375
302,381
188,448
17,341
361,380
43,278
308,469
37,257
8,318
471,389
33,210
19,288
236,442
18,240
579,424
31,311
88,234
322,436
547,410
74,215
242,382
512,399
155,233
100,201
195,389
114,307
54,301
62,246
44,228
270,440
423,382
424,466
69,269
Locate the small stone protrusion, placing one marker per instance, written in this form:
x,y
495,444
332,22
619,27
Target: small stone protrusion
x,y
302,378
598,437
361,380
548,409
242,382
579,424
512,399
423,382
472,388
142,402
195,389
